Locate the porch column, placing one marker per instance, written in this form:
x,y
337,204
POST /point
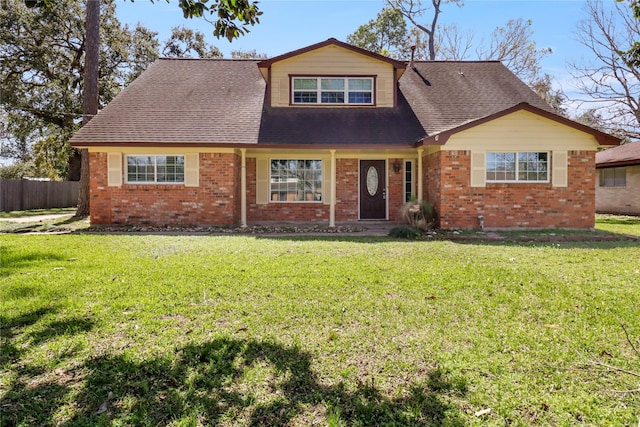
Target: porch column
x,y
243,188
332,201
419,177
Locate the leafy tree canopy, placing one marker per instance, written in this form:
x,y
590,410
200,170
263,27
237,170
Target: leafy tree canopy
x,y
232,17
187,43
386,35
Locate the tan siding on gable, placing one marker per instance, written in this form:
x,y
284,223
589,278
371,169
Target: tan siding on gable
x,y
331,60
521,131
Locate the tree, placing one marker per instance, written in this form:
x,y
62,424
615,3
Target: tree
x,y
233,17
543,86
386,35
413,10
248,54
185,43
632,55
90,98
512,44
610,82
42,63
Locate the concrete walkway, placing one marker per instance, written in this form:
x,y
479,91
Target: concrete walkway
x,y
36,218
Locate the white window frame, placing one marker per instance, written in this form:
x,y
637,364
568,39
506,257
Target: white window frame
x,y
517,171
622,170
272,182
319,90
155,169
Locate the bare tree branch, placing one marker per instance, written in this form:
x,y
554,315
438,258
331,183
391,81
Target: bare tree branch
x,y
610,80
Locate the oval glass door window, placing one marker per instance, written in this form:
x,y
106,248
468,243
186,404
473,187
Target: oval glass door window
x,y
372,181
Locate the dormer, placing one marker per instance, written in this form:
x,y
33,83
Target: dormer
x,y
331,74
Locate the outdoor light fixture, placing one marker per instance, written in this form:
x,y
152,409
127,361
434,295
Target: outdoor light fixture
x,y
396,166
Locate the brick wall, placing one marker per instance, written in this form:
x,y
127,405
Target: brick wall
x,y
214,202
347,172
395,191
431,170
281,211
347,189
516,205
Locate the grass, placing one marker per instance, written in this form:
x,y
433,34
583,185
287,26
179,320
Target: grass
x,y
337,331
629,225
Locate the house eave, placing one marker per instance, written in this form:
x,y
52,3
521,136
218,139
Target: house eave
x,y
272,146
616,164
398,65
603,139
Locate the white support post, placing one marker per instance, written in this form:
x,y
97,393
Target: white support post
x,y
243,188
332,202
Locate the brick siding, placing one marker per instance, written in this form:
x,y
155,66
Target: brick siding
x,y
212,203
446,185
513,205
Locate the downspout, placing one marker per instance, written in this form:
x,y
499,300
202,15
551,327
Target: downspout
x,y
243,188
332,201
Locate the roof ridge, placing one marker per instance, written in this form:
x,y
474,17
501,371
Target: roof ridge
x,y
164,58
457,61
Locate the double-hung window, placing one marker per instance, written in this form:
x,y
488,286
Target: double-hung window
x,y
332,90
517,167
155,169
296,181
613,177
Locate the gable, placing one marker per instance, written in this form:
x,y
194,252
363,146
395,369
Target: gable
x,y
331,60
519,130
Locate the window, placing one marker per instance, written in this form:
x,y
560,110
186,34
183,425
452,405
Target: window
x,y
296,181
408,180
155,169
613,177
333,90
516,167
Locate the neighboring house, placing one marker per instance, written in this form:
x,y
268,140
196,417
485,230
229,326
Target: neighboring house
x,y
332,133
618,187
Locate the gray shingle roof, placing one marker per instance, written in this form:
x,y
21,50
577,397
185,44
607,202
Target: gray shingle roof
x,y
341,126
217,101
624,155
184,101
447,94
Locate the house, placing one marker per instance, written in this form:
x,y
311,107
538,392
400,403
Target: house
x,y
332,133
618,186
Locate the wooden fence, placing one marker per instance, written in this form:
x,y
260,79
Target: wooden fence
x,y
22,195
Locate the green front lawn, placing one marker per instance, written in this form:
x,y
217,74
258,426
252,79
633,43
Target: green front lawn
x,y
339,331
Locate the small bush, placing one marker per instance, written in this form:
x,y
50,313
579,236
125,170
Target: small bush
x,y
420,215
405,232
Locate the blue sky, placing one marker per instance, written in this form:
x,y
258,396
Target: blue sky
x,y
287,25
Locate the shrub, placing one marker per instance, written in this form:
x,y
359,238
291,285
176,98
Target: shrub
x,y
405,232
419,215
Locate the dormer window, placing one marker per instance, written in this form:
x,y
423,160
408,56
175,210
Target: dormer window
x,y
332,90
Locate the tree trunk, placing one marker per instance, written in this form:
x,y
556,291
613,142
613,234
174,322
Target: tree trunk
x,y
89,95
